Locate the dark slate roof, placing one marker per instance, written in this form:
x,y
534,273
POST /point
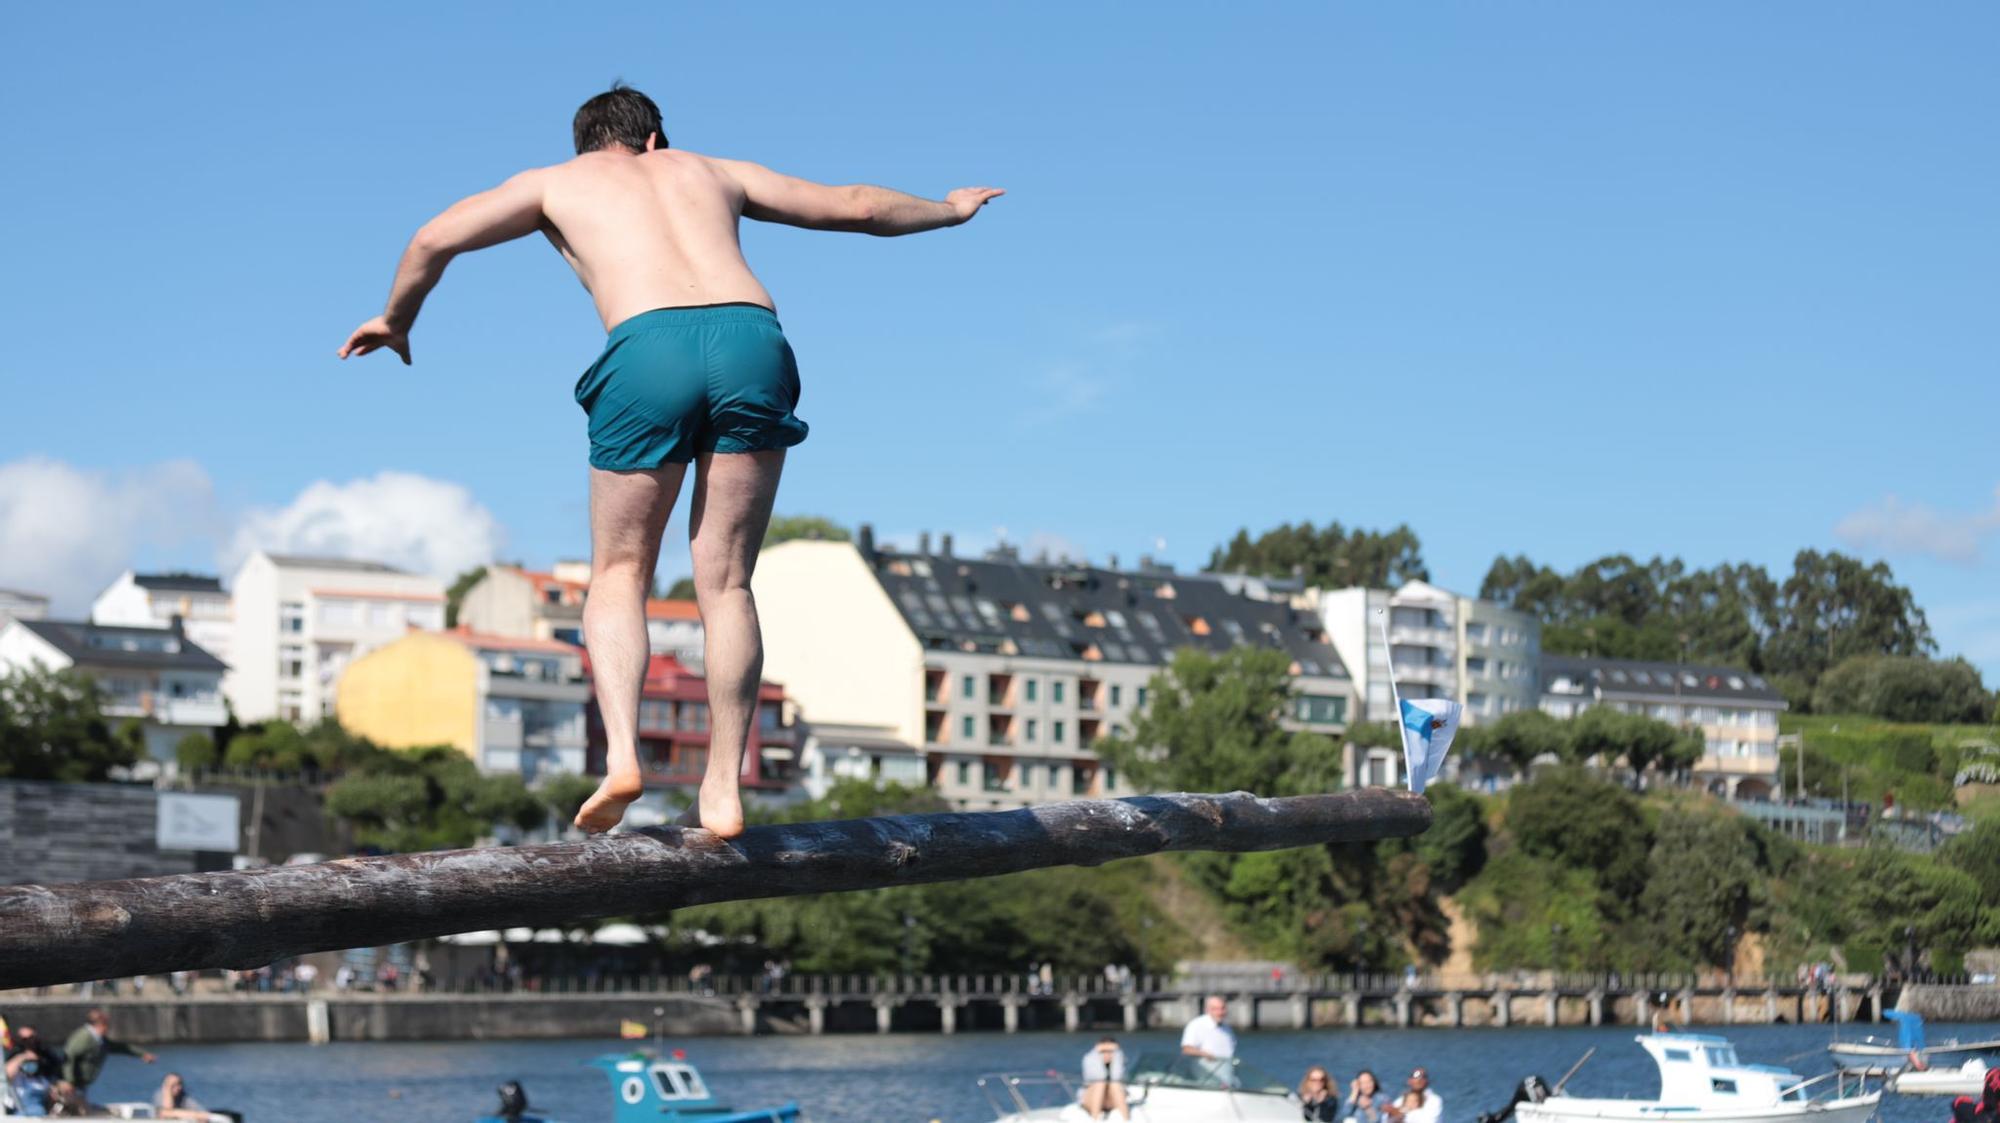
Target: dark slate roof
x,y
178,582
350,564
107,645
1047,610
21,595
1636,678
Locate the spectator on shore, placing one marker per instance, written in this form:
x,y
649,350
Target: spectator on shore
x,y
173,1102
1319,1100
90,1046
1364,1099
1104,1080
1419,1104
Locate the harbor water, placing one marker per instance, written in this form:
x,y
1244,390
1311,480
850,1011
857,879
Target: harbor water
x,y
912,1078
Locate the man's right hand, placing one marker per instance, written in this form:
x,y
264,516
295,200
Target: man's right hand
x,y
374,335
966,201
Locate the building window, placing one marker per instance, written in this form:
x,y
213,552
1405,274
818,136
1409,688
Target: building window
x,y
1056,732
1055,777
964,773
1320,709
966,687
1033,727
966,725
292,618
1116,691
1110,778
769,719
1140,696
993,777
1079,781
1056,691
694,716
1030,685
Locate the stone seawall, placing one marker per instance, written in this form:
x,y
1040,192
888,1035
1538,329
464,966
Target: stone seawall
x,y
1940,1003
372,1018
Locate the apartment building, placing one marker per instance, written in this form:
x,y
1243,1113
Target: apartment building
x,y
156,675
513,705
511,601
300,620
1441,645
1736,711
674,740
1003,674
18,605
156,600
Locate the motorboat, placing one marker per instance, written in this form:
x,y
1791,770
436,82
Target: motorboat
x,y
1702,1080
1159,1088
1968,1079
649,1088
1882,1053
11,1107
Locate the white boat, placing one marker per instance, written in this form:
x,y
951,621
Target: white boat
x,y
1159,1089
1968,1079
1702,1080
1880,1052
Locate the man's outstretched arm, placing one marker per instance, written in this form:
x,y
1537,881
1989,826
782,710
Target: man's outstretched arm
x,y
860,208
511,210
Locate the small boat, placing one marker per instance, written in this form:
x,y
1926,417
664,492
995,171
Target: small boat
x,y
1968,1079
1701,1080
1880,1052
1159,1088
647,1088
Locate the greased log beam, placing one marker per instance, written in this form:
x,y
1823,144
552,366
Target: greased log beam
x,y
247,918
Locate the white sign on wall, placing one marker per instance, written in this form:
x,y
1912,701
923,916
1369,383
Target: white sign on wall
x,y
189,821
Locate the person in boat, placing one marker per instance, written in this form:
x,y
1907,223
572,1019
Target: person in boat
x,y
1986,1110
90,1046
1104,1080
1209,1035
1364,1099
1319,1100
1419,1104
28,1077
173,1102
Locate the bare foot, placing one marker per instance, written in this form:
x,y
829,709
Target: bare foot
x,y
606,806
721,815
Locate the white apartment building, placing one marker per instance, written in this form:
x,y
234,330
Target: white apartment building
x,y
17,605
157,675
1477,653
1002,674
299,620
1735,710
155,600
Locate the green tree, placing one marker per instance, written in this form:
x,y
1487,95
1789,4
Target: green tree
x,y
1572,818
429,798
196,751
454,595
1539,913
1703,887
1215,723
1519,739
1904,688
1643,743
280,746
1334,556
785,528
681,589
52,727
1833,607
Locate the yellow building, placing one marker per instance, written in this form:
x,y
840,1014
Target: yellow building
x,y
513,705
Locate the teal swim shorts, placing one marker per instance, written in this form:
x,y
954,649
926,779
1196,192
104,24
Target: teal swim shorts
x,y
674,382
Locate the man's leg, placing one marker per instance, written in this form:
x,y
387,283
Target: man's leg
x,y
733,493
1093,1100
628,513
1115,1100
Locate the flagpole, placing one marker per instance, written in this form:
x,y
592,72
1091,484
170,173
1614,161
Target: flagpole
x,y
1389,656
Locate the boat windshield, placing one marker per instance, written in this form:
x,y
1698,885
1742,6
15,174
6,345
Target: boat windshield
x,y
1722,1056
1178,1070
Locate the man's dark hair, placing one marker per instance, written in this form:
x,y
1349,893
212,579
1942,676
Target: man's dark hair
x,y
620,116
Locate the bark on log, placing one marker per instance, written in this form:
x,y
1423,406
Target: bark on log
x,y
247,918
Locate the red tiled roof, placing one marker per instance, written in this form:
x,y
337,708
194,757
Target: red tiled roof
x,y
662,609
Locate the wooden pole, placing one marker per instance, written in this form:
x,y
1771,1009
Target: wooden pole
x,y
248,918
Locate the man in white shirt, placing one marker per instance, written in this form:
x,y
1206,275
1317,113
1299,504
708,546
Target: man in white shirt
x,y
1104,1080
1210,1038
1428,1111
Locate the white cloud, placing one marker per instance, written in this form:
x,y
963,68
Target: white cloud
x,y
66,533
1075,384
403,519
1892,526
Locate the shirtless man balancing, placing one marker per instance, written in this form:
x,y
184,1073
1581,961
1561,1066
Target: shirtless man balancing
x,y
696,369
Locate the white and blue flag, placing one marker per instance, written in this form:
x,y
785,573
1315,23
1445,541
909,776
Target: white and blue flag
x,y
1428,725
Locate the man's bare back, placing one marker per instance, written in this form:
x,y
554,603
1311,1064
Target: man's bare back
x,y
652,234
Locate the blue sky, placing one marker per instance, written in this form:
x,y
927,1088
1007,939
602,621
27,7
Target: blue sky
x,y
1561,279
